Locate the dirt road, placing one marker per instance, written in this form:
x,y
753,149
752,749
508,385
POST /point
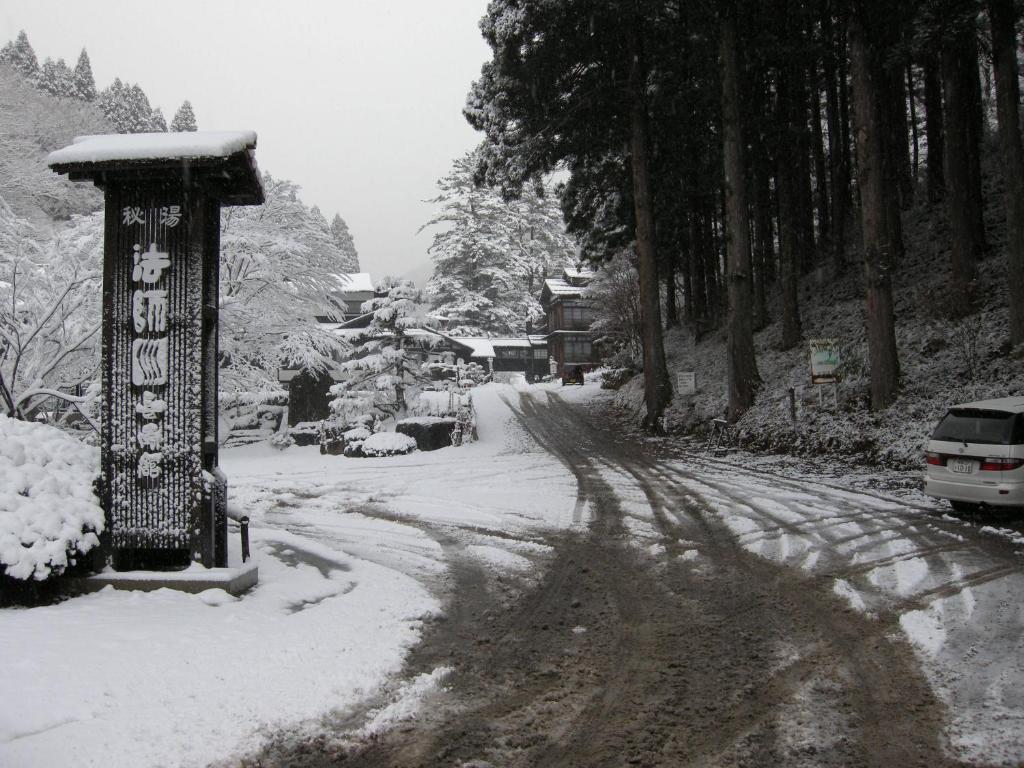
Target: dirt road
x,y
625,655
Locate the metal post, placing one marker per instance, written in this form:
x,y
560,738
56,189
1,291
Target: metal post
x,y
243,524
792,404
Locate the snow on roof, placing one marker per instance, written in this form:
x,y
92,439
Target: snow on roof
x,y
538,340
573,272
1008,404
510,342
559,287
356,281
479,347
153,146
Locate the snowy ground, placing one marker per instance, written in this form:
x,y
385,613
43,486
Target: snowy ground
x,y
356,556
352,556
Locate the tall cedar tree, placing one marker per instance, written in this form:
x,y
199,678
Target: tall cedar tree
x,y
568,84
85,84
743,376
1002,17
963,183
184,119
868,48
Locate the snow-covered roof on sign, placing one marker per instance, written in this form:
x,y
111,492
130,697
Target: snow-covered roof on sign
x,y
521,341
1008,404
480,347
356,281
152,146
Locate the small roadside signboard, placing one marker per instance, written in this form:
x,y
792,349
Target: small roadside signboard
x,y
824,361
686,383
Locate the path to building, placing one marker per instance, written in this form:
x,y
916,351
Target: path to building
x,y
705,616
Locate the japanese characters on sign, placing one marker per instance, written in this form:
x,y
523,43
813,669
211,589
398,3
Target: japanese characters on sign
x,y
151,267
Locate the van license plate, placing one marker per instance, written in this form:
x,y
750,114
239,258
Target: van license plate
x,y
963,466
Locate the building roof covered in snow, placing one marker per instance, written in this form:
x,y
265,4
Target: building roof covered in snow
x,y
480,347
355,281
520,341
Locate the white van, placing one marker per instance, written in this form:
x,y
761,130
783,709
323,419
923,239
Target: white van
x,y
976,455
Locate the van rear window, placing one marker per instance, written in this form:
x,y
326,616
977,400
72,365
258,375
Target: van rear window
x,y
975,425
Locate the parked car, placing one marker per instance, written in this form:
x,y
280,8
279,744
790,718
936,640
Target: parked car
x,y
975,457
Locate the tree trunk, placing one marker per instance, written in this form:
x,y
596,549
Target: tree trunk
x,y
671,310
742,365
1004,60
934,132
881,330
915,160
820,170
657,387
957,93
789,234
839,169
899,141
698,297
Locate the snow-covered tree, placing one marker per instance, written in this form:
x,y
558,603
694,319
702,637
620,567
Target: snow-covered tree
x,y
278,268
57,78
19,54
343,239
50,290
382,363
184,119
158,123
491,255
127,107
614,294
85,84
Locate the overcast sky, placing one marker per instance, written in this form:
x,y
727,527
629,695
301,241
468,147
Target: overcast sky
x,y
358,101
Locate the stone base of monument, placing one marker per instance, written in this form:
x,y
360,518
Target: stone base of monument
x,y
233,580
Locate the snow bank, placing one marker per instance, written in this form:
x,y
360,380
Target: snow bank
x,y
388,444
153,146
47,507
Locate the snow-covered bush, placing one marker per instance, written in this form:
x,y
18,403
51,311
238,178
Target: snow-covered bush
x,y
388,444
48,512
281,441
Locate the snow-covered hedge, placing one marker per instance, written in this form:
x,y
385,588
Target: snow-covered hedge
x,y
48,512
388,444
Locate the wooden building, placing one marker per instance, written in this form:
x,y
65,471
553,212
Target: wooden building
x,y
569,316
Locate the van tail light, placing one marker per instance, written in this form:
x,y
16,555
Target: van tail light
x,y
933,458
1001,464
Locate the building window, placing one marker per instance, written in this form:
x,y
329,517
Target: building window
x,y
514,353
540,353
576,349
578,317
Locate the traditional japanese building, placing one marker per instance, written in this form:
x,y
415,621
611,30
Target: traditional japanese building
x,y
569,315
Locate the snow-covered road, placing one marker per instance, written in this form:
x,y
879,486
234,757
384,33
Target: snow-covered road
x,y
773,615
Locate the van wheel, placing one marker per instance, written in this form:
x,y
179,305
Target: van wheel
x,y
965,507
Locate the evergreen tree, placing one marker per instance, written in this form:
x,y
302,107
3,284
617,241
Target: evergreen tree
x,y
85,85
569,84
19,54
491,254
343,239
56,78
113,101
184,119
158,123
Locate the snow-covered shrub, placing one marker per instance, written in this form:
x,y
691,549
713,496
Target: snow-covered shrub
x,y
48,512
281,440
614,378
388,444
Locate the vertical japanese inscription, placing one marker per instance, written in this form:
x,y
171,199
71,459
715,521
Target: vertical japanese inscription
x,y
149,347
153,370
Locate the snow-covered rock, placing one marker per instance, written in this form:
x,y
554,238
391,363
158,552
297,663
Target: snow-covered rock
x,y
48,511
388,444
